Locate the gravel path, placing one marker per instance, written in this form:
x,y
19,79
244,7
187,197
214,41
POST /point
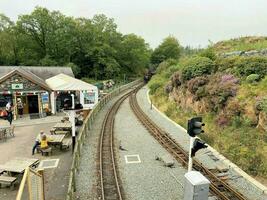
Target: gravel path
x,y
205,156
149,179
86,180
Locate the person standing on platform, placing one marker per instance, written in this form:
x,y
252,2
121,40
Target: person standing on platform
x,y
20,107
9,112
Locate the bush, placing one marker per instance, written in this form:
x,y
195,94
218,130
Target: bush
x,y
252,65
261,104
220,88
176,79
252,78
243,66
208,53
197,66
194,84
156,83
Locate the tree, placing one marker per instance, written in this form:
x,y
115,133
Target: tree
x,y
169,48
8,46
92,47
134,54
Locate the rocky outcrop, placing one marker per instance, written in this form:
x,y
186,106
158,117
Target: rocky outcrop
x,y
262,52
186,101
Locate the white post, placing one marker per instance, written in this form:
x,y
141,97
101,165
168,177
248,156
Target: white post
x,y
73,103
72,120
53,102
190,159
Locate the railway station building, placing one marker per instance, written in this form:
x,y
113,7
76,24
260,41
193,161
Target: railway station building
x,y
42,90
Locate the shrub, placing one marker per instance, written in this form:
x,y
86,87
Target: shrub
x,y
168,88
234,108
252,78
208,53
226,64
194,84
220,88
261,104
176,79
252,65
162,67
156,83
197,66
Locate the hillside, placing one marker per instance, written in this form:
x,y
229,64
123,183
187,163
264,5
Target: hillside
x,y
241,44
230,93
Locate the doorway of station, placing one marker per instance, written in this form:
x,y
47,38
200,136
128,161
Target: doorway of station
x,y
33,104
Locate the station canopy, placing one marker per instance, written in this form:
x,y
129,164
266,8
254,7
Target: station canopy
x,y
62,82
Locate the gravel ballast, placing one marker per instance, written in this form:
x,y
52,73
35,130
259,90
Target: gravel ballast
x,y
148,179
205,156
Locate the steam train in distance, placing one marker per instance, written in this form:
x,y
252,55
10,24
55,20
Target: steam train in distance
x,y
148,75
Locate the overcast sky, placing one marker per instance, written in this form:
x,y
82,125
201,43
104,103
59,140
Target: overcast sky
x,y
193,22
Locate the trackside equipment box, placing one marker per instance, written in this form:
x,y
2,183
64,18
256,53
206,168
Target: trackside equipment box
x,y
196,186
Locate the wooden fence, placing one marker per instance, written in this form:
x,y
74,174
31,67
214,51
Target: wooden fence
x,y
84,132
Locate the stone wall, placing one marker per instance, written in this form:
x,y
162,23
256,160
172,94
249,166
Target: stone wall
x,y
17,79
262,52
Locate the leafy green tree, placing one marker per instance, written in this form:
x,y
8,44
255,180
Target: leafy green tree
x,y
169,48
92,47
134,54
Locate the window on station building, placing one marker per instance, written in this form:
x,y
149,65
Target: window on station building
x,y
89,97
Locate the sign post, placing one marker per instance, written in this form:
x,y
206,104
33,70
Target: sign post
x,y
190,159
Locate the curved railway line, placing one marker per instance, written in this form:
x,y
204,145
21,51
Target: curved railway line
x,y
218,187
109,180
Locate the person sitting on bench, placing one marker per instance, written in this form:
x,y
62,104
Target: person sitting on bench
x,y
44,142
37,141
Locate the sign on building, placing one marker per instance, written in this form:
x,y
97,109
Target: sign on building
x,y
17,86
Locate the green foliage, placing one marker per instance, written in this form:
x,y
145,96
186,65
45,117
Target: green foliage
x,y
244,66
208,53
197,66
47,61
93,46
169,48
252,78
156,83
76,69
134,54
241,44
251,65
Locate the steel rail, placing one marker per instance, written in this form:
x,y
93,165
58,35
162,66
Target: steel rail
x,y
218,187
111,188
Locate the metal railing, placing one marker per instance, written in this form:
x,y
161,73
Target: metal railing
x,y
84,132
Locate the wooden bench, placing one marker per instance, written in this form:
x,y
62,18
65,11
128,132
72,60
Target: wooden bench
x,y
62,132
46,151
8,180
66,143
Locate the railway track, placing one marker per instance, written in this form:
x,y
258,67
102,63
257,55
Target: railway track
x,y
109,180
218,187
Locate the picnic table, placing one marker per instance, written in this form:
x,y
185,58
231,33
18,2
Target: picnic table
x,y
56,140
61,128
18,165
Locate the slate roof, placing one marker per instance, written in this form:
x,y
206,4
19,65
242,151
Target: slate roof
x,y
39,71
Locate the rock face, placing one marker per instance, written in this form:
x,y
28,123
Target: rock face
x,y
262,123
262,52
186,100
